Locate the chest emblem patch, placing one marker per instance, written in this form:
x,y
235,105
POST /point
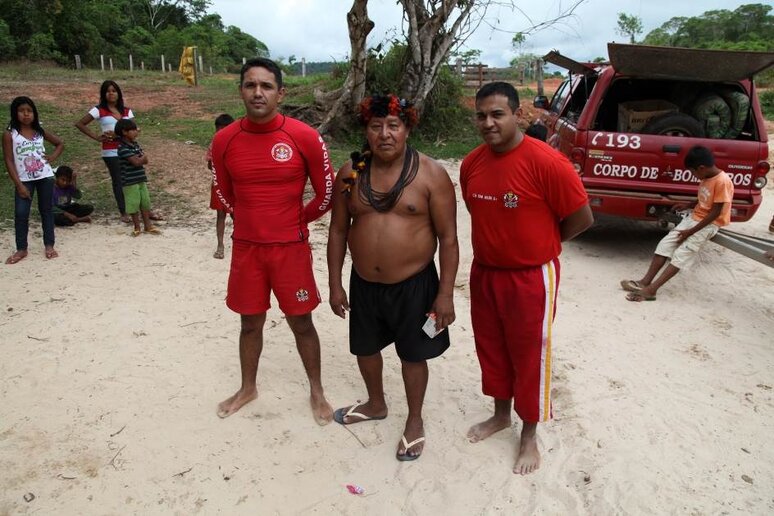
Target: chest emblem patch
x,y
510,200
281,152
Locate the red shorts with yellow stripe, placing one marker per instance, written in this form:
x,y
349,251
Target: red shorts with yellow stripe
x,y
512,311
258,270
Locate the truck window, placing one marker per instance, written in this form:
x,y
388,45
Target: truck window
x,y
557,102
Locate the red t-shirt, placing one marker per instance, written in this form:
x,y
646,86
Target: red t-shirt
x,y
516,201
260,171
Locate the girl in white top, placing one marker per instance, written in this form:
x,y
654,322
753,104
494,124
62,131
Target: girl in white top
x,y
29,169
110,110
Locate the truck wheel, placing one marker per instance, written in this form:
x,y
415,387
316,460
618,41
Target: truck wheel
x,y
674,124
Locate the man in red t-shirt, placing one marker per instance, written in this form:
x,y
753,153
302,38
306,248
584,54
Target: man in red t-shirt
x,y
260,166
524,199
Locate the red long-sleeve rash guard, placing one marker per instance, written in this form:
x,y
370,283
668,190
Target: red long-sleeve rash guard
x,y
260,171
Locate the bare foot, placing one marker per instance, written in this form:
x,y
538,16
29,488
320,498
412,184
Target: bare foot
x,y
236,402
219,253
412,442
529,456
51,252
494,424
86,219
321,410
16,257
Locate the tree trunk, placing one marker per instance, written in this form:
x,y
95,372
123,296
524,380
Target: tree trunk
x,y
430,41
353,90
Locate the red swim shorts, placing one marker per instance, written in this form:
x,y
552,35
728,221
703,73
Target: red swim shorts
x,y
258,270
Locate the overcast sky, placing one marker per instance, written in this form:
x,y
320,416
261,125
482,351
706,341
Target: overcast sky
x,y
317,29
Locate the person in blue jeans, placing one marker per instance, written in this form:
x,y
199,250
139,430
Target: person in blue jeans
x,y
29,169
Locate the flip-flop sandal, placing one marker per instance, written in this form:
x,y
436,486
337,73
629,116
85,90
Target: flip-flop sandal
x,y
405,457
153,231
340,414
135,232
218,254
630,285
637,297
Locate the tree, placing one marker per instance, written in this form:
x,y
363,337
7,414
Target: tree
x,y
159,11
629,25
353,90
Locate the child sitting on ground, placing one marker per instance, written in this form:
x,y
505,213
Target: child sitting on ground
x,y
66,211
133,178
220,223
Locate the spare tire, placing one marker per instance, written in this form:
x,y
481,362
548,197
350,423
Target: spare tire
x,y
740,109
674,124
714,114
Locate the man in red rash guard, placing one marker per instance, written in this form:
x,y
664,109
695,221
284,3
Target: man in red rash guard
x,y
524,199
260,165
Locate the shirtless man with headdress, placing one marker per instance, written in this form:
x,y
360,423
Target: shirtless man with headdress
x,y
393,207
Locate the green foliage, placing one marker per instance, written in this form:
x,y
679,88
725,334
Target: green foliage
x,y
7,45
146,29
629,25
748,27
767,103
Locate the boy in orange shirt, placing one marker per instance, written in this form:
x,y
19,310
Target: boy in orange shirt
x,y
681,245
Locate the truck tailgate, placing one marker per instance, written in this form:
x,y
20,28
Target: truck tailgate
x,y
654,163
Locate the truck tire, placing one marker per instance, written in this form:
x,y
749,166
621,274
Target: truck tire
x,y
740,109
714,114
674,124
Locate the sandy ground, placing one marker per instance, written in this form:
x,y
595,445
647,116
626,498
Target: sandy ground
x,y
115,355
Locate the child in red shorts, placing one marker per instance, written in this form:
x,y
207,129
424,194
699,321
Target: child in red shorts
x,y
220,224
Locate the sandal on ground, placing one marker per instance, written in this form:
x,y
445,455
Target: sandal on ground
x,y
135,232
406,447
340,414
639,296
153,230
631,285
218,254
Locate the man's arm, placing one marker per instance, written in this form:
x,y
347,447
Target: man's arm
x,y
221,179
443,216
320,173
576,223
714,213
337,243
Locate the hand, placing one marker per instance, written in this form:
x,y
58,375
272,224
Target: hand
x,y
338,302
22,191
683,234
443,308
102,138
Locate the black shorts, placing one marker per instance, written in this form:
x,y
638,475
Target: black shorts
x,y
381,314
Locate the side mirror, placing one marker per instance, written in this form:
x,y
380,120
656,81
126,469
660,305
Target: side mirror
x,y
541,102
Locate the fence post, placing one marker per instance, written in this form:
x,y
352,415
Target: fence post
x,y
303,67
539,75
111,64
142,65
169,67
77,62
163,66
480,75
201,64
210,70
458,66
102,62
244,60
131,63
